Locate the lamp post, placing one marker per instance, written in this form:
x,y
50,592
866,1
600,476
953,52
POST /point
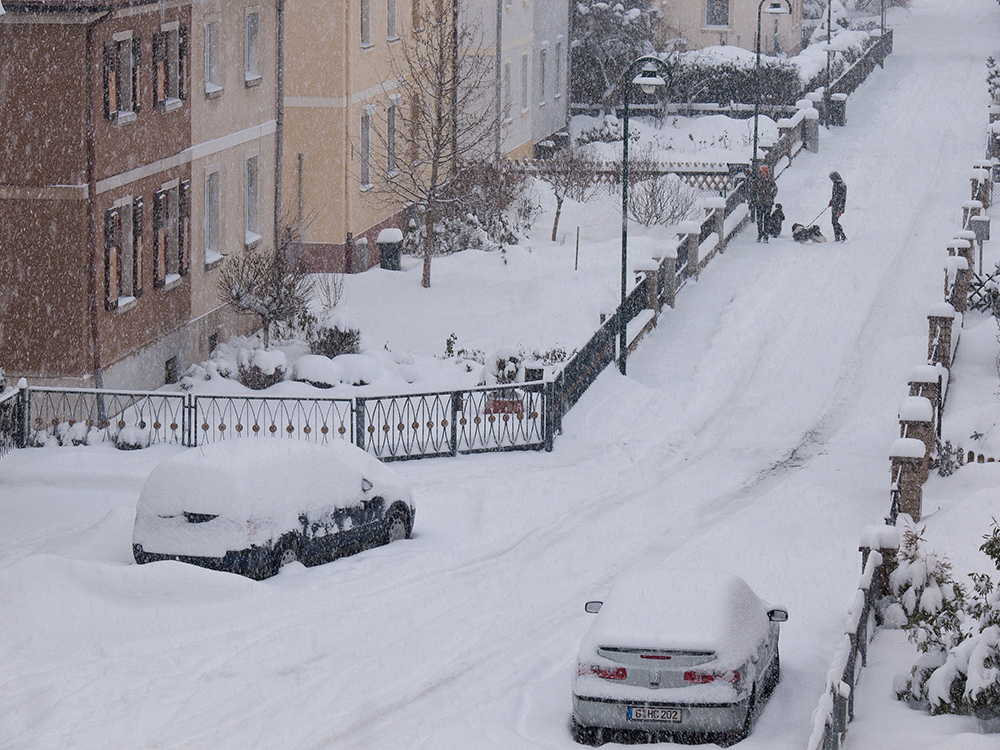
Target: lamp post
x,y
649,80
775,8
829,57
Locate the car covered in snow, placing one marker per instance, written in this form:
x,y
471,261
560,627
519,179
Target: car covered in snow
x,y
251,505
676,653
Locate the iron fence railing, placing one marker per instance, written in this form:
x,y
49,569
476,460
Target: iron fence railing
x,y
317,420
11,421
87,416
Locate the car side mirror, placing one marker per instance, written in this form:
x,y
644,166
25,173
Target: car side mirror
x,y
592,607
777,614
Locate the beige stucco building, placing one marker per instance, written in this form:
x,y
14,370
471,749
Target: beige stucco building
x,y
341,61
704,23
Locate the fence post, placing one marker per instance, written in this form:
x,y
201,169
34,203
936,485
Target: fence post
x,y
548,406
189,418
940,319
690,231
21,436
359,422
456,398
909,459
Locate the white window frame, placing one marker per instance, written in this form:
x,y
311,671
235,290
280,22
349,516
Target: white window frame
x,y
251,47
124,66
366,23
558,83
524,84
171,33
251,198
213,214
365,152
711,5
391,133
542,59
508,94
213,57
391,21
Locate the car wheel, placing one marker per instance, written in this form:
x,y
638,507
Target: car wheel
x,y
397,525
744,732
285,553
774,675
591,736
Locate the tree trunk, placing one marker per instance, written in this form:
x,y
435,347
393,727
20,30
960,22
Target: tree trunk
x,y
425,279
267,331
555,224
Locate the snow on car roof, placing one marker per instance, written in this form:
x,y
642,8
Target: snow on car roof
x,y
252,477
681,609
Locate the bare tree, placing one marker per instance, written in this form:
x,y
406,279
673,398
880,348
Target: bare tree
x,y
571,173
269,283
447,115
662,199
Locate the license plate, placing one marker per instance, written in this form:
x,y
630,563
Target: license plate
x,y
640,713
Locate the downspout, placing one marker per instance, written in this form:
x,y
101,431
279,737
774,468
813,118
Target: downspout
x,y
279,127
346,130
92,259
499,81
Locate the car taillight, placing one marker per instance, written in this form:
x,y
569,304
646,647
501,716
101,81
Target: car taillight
x,y
605,673
703,678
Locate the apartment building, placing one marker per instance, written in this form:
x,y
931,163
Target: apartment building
x,y
704,23
109,136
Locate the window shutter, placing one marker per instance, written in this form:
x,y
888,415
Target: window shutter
x,y
136,72
183,226
137,248
159,238
159,69
110,259
182,63
110,81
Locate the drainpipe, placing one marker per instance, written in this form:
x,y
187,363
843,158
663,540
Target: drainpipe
x,y
92,259
279,127
499,81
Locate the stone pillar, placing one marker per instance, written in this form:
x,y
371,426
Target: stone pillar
x,y
909,470
984,168
647,273
668,267
716,210
927,380
916,420
970,209
962,274
689,232
941,319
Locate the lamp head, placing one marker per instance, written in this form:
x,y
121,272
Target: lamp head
x,y
649,79
776,8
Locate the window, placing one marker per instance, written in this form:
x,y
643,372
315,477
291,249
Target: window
x,y
123,253
415,17
170,66
251,49
390,20
717,13
171,229
122,65
366,148
213,59
251,198
559,64
524,83
213,215
541,75
366,23
507,96
390,137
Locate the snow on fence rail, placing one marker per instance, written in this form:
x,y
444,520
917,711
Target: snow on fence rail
x,y
836,706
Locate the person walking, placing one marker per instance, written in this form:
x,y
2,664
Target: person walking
x,y
763,191
838,201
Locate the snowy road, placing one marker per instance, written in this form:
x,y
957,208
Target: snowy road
x,y
751,434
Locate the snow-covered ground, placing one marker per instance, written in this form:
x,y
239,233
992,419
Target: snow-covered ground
x,y
751,434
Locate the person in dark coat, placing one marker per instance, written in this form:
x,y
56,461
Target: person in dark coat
x,y
838,201
763,191
776,220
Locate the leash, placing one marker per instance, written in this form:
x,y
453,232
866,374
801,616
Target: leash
x,y
816,217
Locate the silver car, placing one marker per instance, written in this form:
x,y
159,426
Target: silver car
x,y
673,653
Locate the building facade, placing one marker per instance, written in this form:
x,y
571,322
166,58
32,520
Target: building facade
x,y
697,24
101,217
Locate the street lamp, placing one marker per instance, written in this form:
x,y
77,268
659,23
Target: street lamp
x,y
829,58
775,8
649,80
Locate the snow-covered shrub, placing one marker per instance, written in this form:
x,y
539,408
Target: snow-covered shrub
x,y
606,38
697,77
662,200
958,670
132,437
504,367
3,380
948,458
609,130
337,334
993,79
933,601
260,368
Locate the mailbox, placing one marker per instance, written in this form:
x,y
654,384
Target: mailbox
x,y
981,226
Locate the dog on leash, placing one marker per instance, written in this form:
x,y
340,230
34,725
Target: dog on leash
x,y
805,234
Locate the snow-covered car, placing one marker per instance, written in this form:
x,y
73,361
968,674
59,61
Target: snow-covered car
x,y
251,505
673,653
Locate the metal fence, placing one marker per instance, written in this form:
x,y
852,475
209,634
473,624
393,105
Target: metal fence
x,y
475,420
863,66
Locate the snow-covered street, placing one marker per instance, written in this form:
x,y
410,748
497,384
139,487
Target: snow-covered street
x,y
751,434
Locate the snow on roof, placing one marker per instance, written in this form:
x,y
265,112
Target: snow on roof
x,y
678,608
